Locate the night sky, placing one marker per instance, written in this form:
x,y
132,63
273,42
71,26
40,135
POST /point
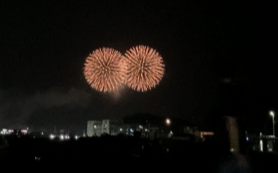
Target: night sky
x,y
220,59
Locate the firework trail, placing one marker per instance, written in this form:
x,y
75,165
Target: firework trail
x,y
105,69
145,68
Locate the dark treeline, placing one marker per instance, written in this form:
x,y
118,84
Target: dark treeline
x,y
209,156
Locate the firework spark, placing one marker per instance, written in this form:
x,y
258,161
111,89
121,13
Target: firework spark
x,y
105,69
145,68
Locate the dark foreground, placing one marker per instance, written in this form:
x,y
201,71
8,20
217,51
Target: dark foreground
x,y
136,153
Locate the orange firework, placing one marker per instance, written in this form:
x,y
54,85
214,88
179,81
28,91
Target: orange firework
x,y
104,69
145,68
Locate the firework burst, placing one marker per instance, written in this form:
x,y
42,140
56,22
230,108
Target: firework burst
x,y
105,69
145,68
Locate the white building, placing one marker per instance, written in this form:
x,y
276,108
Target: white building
x,y
96,128
105,127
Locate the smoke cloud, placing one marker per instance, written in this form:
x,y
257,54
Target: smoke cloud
x,y
17,108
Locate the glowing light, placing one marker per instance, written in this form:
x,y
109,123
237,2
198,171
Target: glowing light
x,y
4,131
207,133
24,131
168,121
105,69
62,137
52,136
145,68
170,134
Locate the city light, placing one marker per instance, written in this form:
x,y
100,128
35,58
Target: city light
x,y
4,131
62,137
24,131
52,136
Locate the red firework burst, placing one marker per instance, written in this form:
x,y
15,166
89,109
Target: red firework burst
x,y
104,69
145,68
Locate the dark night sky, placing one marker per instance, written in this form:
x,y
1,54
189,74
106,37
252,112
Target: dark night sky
x,y
219,60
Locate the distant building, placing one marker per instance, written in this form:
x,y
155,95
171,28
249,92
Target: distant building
x,y
264,143
110,127
113,127
94,128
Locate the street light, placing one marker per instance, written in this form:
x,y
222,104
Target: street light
x,y
168,121
272,114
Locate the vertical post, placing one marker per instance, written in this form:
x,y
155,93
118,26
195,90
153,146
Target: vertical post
x,y
232,128
273,125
